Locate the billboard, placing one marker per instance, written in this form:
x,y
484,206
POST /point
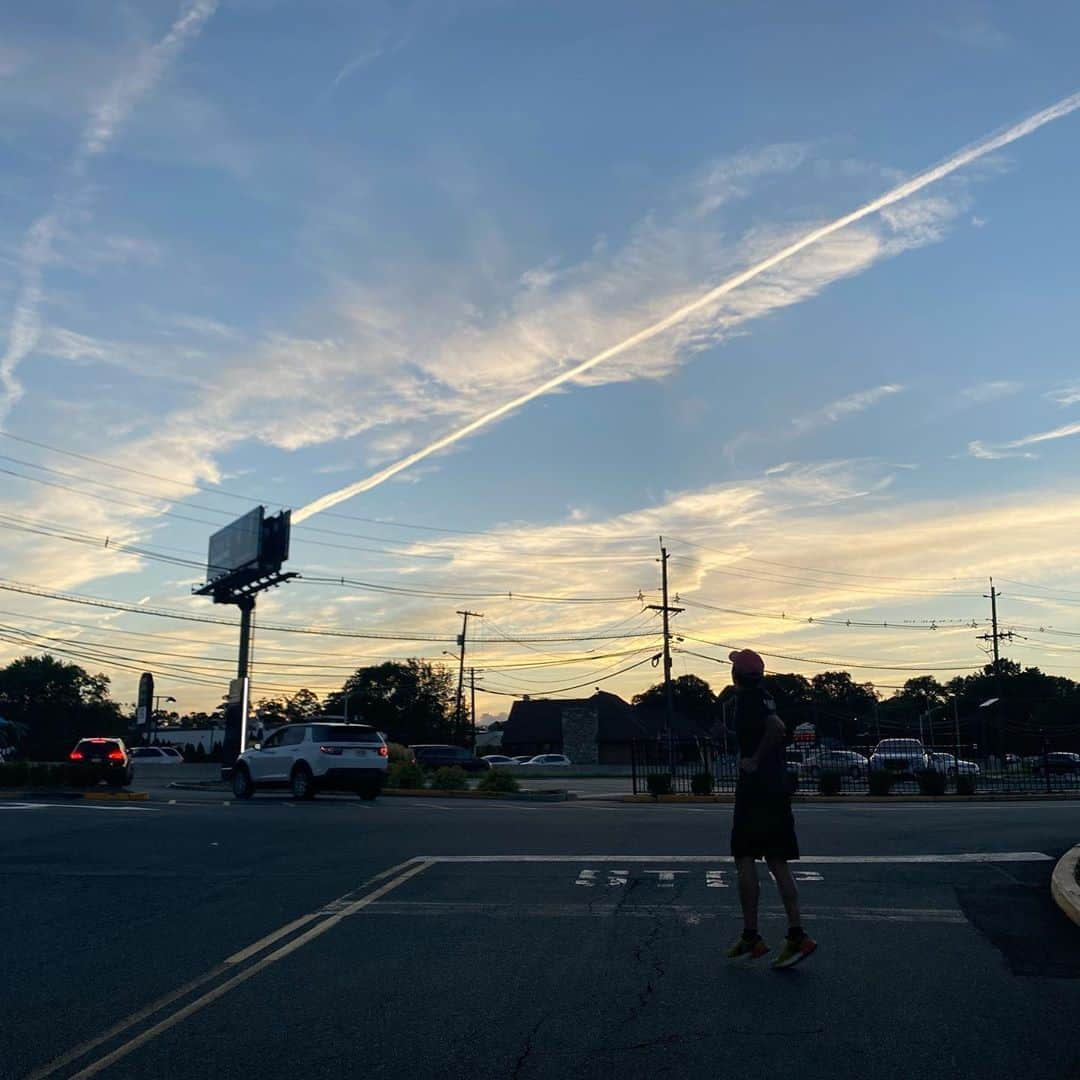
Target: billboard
x,y
144,710
236,547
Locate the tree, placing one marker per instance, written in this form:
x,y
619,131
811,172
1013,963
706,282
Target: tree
x,y
840,705
303,705
412,701
57,703
691,697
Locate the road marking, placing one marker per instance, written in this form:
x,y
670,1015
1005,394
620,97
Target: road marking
x,y
806,875
586,878
957,857
665,879
23,806
714,879
403,871
438,908
618,877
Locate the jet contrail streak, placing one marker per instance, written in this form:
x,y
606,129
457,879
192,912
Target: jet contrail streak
x,y
909,187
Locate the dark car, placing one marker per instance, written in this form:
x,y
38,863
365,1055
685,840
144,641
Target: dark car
x,y
1058,764
436,755
103,759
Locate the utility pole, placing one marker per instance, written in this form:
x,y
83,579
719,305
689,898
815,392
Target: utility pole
x,y
666,610
472,711
466,615
995,637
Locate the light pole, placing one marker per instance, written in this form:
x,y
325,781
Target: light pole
x,y
153,725
458,717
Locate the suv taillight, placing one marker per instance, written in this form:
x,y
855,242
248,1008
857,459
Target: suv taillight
x,y
334,750
383,752
116,755
75,755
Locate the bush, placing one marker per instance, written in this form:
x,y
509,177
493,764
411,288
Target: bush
x,y
830,782
931,782
398,752
450,778
497,780
966,784
405,774
880,782
13,774
701,783
658,784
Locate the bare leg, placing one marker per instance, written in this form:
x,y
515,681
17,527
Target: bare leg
x,y
749,890
789,892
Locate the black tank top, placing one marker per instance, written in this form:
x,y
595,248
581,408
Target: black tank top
x,y
753,706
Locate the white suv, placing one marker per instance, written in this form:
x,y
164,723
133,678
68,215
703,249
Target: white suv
x,y
314,757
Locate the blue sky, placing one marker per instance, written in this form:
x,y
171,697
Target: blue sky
x,y
275,247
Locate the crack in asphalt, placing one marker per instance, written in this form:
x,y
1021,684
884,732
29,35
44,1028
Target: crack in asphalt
x,y
527,1049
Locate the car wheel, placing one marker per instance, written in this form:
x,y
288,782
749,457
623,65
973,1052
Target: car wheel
x,y
303,783
117,782
242,785
368,794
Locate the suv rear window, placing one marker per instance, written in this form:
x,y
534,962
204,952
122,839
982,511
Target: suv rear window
x,y
92,748
344,733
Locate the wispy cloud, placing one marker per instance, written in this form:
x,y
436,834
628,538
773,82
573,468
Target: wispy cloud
x,y
981,393
837,410
146,69
992,451
1066,395
702,315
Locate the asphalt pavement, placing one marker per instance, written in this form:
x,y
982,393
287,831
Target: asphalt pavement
x,y
428,937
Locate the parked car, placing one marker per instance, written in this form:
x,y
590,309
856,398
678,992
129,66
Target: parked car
x,y
309,758
558,760
1059,763
498,759
152,755
175,754
847,762
436,755
901,757
104,758
948,764
523,759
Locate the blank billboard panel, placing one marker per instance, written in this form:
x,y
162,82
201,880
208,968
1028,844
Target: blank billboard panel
x,y
236,547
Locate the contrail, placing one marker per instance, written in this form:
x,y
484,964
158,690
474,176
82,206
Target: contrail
x,y
958,160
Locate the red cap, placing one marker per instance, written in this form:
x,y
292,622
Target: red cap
x,y
746,662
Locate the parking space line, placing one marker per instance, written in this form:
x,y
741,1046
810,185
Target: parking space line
x,y
332,914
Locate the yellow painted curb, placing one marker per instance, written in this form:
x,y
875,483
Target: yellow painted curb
x,y
848,799
115,796
1064,887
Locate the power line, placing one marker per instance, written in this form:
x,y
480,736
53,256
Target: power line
x,y
576,686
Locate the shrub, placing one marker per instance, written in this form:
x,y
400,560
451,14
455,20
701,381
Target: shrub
x,y
659,784
13,774
405,774
880,782
966,784
497,780
450,778
701,783
931,782
398,752
830,782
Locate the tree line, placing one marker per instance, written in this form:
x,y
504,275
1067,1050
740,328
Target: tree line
x,y
47,705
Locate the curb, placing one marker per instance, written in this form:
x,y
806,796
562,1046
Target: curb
x,y
87,796
1064,887
850,800
520,796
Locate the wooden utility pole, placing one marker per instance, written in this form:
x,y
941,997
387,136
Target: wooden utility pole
x,y
459,708
666,610
472,710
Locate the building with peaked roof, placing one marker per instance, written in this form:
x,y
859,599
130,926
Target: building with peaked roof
x,y
591,731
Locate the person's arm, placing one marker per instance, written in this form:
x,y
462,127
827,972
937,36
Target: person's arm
x,y
775,732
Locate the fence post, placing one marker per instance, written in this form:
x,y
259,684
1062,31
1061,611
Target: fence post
x,y
1046,760
956,743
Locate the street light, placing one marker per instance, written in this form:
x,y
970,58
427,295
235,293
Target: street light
x,y
152,727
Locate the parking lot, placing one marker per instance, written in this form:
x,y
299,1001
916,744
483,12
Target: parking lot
x,y
412,937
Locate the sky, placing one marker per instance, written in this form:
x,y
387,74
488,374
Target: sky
x,y
326,256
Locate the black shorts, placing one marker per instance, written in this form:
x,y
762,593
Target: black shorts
x,y
764,828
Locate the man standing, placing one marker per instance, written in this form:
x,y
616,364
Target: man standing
x,y
764,827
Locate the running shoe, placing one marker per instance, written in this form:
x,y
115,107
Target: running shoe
x,y
794,952
743,949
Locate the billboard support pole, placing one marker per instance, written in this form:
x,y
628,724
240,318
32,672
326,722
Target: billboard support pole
x,y
246,604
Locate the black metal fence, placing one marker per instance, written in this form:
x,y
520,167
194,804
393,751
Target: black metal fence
x,y
893,766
